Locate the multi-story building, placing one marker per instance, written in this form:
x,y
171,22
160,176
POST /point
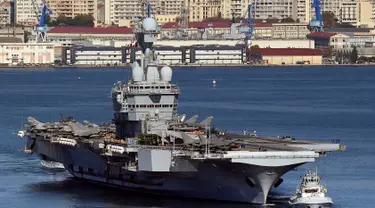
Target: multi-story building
x,y
72,8
28,10
123,12
199,10
355,12
238,8
262,9
304,11
16,32
26,53
169,7
5,13
290,30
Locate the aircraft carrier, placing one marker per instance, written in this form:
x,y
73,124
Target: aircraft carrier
x,y
150,148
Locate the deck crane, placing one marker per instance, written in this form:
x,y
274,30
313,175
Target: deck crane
x,y
316,25
42,28
248,29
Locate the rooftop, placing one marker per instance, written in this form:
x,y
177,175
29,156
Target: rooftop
x,y
214,24
91,30
288,51
10,40
321,34
354,29
5,4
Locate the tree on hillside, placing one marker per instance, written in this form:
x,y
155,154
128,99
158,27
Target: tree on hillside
x,y
329,19
354,55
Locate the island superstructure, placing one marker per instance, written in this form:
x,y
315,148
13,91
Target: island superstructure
x,y
150,148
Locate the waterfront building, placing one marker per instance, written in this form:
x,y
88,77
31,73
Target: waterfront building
x,y
287,56
67,36
104,55
336,41
8,31
289,30
6,13
322,39
26,53
215,29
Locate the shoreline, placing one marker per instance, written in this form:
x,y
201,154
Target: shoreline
x,y
191,66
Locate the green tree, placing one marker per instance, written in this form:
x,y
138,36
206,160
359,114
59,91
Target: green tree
x,y
287,20
354,55
47,20
83,20
254,46
26,36
79,20
329,19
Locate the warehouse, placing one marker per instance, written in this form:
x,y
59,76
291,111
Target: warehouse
x,y
287,56
108,55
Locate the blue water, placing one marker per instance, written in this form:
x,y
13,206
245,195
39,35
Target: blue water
x,y
320,103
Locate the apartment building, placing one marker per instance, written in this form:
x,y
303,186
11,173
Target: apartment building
x,y
238,8
264,9
27,10
199,10
5,13
304,10
355,12
123,12
72,8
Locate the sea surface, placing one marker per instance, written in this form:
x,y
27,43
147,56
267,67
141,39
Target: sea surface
x,y
317,103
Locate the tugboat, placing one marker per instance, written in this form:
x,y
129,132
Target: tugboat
x,y
310,193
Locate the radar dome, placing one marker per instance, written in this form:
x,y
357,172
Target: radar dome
x,y
137,72
152,74
166,73
149,24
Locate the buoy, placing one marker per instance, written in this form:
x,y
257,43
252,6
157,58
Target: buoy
x,y
213,83
79,77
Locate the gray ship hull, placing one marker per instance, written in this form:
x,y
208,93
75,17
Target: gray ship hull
x,y
206,179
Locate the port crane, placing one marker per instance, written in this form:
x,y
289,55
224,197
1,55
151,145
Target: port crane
x,y
316,25
41,28
249,29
